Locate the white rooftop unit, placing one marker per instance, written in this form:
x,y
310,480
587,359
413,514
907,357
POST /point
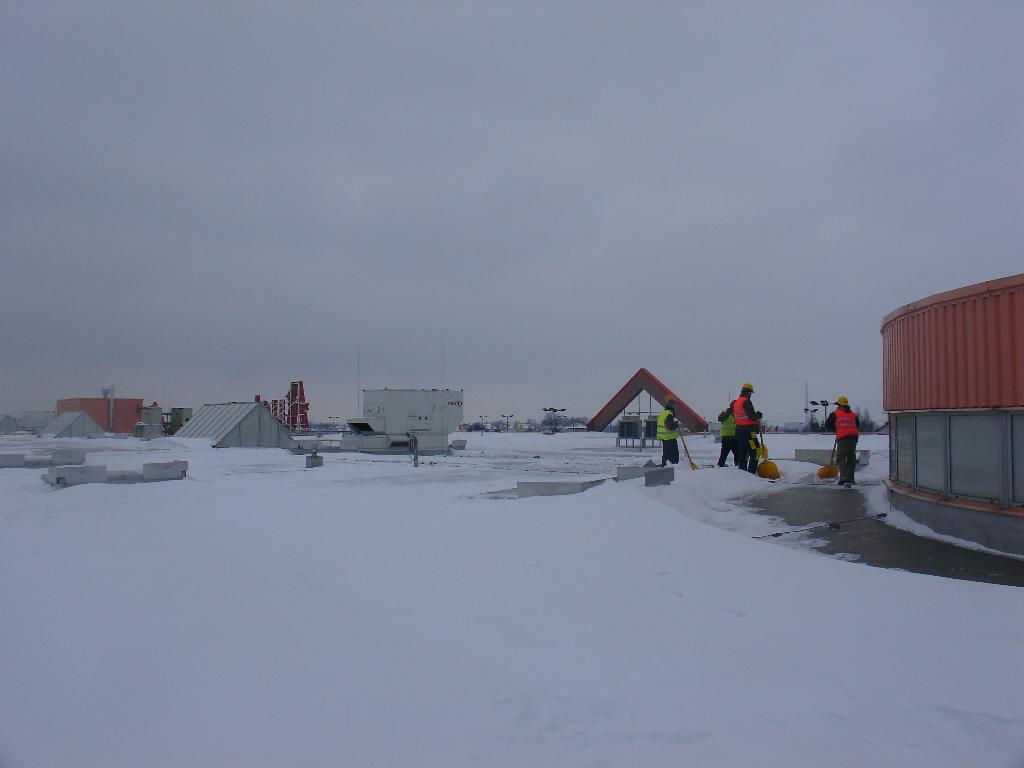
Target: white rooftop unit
x,y
72,424
392,416
35,421
237,425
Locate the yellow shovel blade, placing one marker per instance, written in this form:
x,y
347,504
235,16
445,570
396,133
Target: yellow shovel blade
x,y
768,470
828,471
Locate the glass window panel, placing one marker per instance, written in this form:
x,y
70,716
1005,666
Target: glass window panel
x,y
1018,459
975,456
892,447
931,452
905,448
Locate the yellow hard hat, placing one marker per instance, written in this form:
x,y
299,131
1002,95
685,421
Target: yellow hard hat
x,y
670,399
747,386
841,400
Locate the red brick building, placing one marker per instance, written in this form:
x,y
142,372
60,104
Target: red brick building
x,y
126,411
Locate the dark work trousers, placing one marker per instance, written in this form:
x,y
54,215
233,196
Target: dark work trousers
x,y
728,446
669,452
746,454
846,458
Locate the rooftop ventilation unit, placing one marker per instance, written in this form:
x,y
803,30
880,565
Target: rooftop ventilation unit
x,y
392,416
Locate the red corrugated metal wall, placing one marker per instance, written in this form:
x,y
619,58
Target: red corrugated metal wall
x,y
961,349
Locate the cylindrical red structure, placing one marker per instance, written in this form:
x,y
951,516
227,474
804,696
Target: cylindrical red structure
x,y
959,349
953,384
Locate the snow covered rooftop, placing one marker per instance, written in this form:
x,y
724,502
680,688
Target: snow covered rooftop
x,y
373,613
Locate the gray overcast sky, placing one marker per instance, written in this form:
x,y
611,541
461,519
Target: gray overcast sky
x,y
202,201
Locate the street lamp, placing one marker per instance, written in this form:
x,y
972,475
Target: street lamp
x,y
482,424
808,417
554,416
824,405
506,418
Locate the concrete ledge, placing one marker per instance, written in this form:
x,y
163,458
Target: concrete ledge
x,y
164,470
65,477
554,488
124,476
11,460
62,457
659,476
822,456
998,530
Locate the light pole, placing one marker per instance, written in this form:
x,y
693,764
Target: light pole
x,y
506,418
824,410
808,416
554,416
482,424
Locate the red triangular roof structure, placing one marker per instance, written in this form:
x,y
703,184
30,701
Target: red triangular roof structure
x,y
645,381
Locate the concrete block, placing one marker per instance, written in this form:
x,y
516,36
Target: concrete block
x,y
8,460
660,476
504,493
124,476
62,457
64,477
164,470
313,461
554,488
458,445
628,473
822,456
38,461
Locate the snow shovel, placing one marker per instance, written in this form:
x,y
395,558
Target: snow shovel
x,y
830,470
766,468
686,450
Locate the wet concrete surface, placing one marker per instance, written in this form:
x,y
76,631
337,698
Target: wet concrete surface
x,y
876,543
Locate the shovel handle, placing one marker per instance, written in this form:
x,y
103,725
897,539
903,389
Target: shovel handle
x,y
687,452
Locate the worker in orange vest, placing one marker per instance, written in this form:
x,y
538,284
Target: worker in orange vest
x,y
846,424
748,424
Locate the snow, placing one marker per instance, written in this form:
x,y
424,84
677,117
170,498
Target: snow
x,y
372,613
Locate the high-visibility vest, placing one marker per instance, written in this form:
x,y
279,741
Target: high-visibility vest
x,y
846,424
729,426
664,433
738,412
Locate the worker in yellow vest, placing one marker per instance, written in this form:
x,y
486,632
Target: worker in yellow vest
x,y
668,431
728,435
